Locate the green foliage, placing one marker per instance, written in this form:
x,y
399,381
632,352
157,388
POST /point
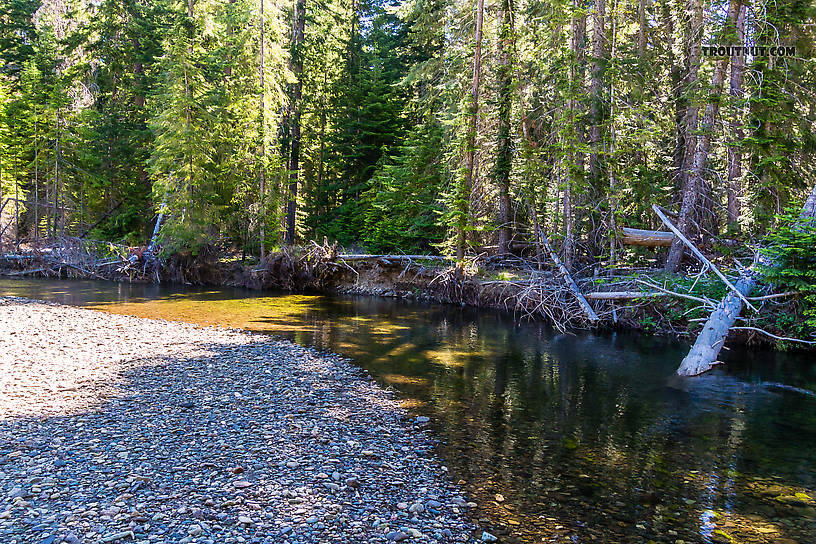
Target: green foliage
x,y
368,121
404,195
111,110
792,250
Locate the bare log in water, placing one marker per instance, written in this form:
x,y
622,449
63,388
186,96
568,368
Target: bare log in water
x,y
703,354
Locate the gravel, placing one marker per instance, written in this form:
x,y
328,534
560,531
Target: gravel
x,y
120,429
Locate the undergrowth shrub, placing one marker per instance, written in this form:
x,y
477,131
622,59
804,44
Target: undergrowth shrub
x,y
792,249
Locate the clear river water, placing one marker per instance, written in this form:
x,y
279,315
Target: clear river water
x,y
558,438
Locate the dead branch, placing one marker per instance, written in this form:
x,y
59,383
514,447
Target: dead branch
x,y
775,337
700,256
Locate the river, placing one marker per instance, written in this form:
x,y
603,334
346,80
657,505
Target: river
x,y
558,438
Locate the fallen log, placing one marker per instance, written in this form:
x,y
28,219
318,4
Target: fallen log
x,y
702,356
26,272
393,258
647,238
622,295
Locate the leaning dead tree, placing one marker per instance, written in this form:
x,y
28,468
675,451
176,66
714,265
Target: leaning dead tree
x,y
703,354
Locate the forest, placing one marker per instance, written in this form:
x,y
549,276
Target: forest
x,y
434,126
418,271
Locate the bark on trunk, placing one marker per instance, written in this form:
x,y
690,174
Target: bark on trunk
x,y
575,169
613,200
694,181
677,95
297,94
691,110
470,154
734,152
642,29
595,89
505,147
187,112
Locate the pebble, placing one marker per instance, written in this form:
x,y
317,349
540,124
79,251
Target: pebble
x,y
120,429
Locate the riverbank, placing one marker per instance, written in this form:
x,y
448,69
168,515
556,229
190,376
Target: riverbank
x,y
631,299
115,428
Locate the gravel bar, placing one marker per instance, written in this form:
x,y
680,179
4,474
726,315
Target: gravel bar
x,y
121,429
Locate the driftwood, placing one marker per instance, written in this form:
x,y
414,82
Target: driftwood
x,y
590,313
647,238
26,272
393,258
703,354
622,295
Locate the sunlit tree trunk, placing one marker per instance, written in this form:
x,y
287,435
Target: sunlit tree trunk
x,y
470,152
643,29
576,165
690,115
187,106
613,197
676,93
262,129
262,132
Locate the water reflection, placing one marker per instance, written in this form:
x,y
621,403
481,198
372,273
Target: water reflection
x,y
576,438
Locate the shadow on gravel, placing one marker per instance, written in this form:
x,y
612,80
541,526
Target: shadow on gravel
x,y
261,441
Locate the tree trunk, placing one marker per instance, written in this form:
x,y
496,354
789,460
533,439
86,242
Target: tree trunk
x,y
297,95
677,95
505,144
262,130
56,179
643,28
647,238
613,197
36,181
703,354
734,151
575,168
691,108
188,113
694,181
596,89
470,154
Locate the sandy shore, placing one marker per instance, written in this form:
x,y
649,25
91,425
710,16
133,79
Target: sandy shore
x,y
120,429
